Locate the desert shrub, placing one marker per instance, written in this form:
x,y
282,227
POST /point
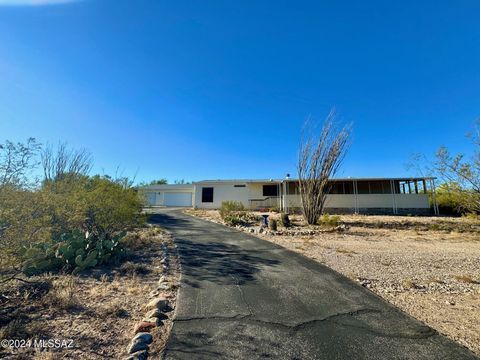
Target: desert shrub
x,y
472,216
329,221
272,224
233,213
71,224
69,220
234,220
285,220
230,207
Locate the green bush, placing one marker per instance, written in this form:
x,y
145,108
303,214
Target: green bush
x,y
285,220
329,221
230,207
453,200
99,205
44,229
472,216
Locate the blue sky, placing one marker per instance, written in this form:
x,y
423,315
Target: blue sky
x,y
220,89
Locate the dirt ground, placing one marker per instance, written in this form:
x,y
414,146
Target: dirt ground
x,y
93,314
427,266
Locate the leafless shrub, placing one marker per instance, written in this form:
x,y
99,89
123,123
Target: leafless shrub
x,y
63,161
319,158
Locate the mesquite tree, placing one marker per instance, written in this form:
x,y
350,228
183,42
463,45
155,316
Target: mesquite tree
x,y
461,174
319,158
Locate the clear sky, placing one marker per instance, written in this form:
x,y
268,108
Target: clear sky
x,y
220,89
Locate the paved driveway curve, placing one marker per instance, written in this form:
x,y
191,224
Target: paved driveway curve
x,y
245,298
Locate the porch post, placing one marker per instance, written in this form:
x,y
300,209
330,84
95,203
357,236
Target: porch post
x,y
436,210
355,191
394,202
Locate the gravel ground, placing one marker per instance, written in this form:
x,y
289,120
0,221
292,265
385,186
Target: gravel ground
x,y
429,267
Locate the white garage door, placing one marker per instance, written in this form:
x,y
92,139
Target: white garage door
x,y
177,199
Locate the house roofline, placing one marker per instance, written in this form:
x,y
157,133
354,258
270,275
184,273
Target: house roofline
x,y
226,181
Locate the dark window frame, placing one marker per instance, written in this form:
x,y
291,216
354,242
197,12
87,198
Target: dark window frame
x,y
270,192
207,194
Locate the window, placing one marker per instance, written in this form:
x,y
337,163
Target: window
x,y
348,187
336,187
380,187
207,194
292,188
270,190
363,187
239,185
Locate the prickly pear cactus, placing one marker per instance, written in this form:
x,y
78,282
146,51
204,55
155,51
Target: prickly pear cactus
x,y
74,251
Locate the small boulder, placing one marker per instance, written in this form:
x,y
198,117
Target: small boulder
x,y
164,286
154,320
154,293
156,313
139,355
135,346
143,337
159,303
143,326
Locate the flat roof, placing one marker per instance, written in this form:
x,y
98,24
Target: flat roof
x,y
238,181
334,179
167,187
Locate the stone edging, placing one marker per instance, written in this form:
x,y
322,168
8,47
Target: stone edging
x,y
159,310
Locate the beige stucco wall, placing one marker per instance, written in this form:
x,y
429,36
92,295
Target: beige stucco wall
x,y
221,192
412,201
228,192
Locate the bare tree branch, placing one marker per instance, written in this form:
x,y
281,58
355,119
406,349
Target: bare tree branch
x,y
62,162
319,158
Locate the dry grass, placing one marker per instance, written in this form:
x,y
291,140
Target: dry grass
x,y
113,309
345,251
409,284
44,355
16,329
130,268
63,294
466,279
97,309
139,240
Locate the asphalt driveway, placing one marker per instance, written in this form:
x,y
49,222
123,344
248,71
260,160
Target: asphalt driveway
x,y
245,298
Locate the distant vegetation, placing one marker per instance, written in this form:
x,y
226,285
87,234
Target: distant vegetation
x,y
65,220
459,175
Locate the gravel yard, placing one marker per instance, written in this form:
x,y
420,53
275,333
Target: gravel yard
x,y
429,267
95,312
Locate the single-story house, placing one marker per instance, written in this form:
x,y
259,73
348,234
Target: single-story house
x,y
348,195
